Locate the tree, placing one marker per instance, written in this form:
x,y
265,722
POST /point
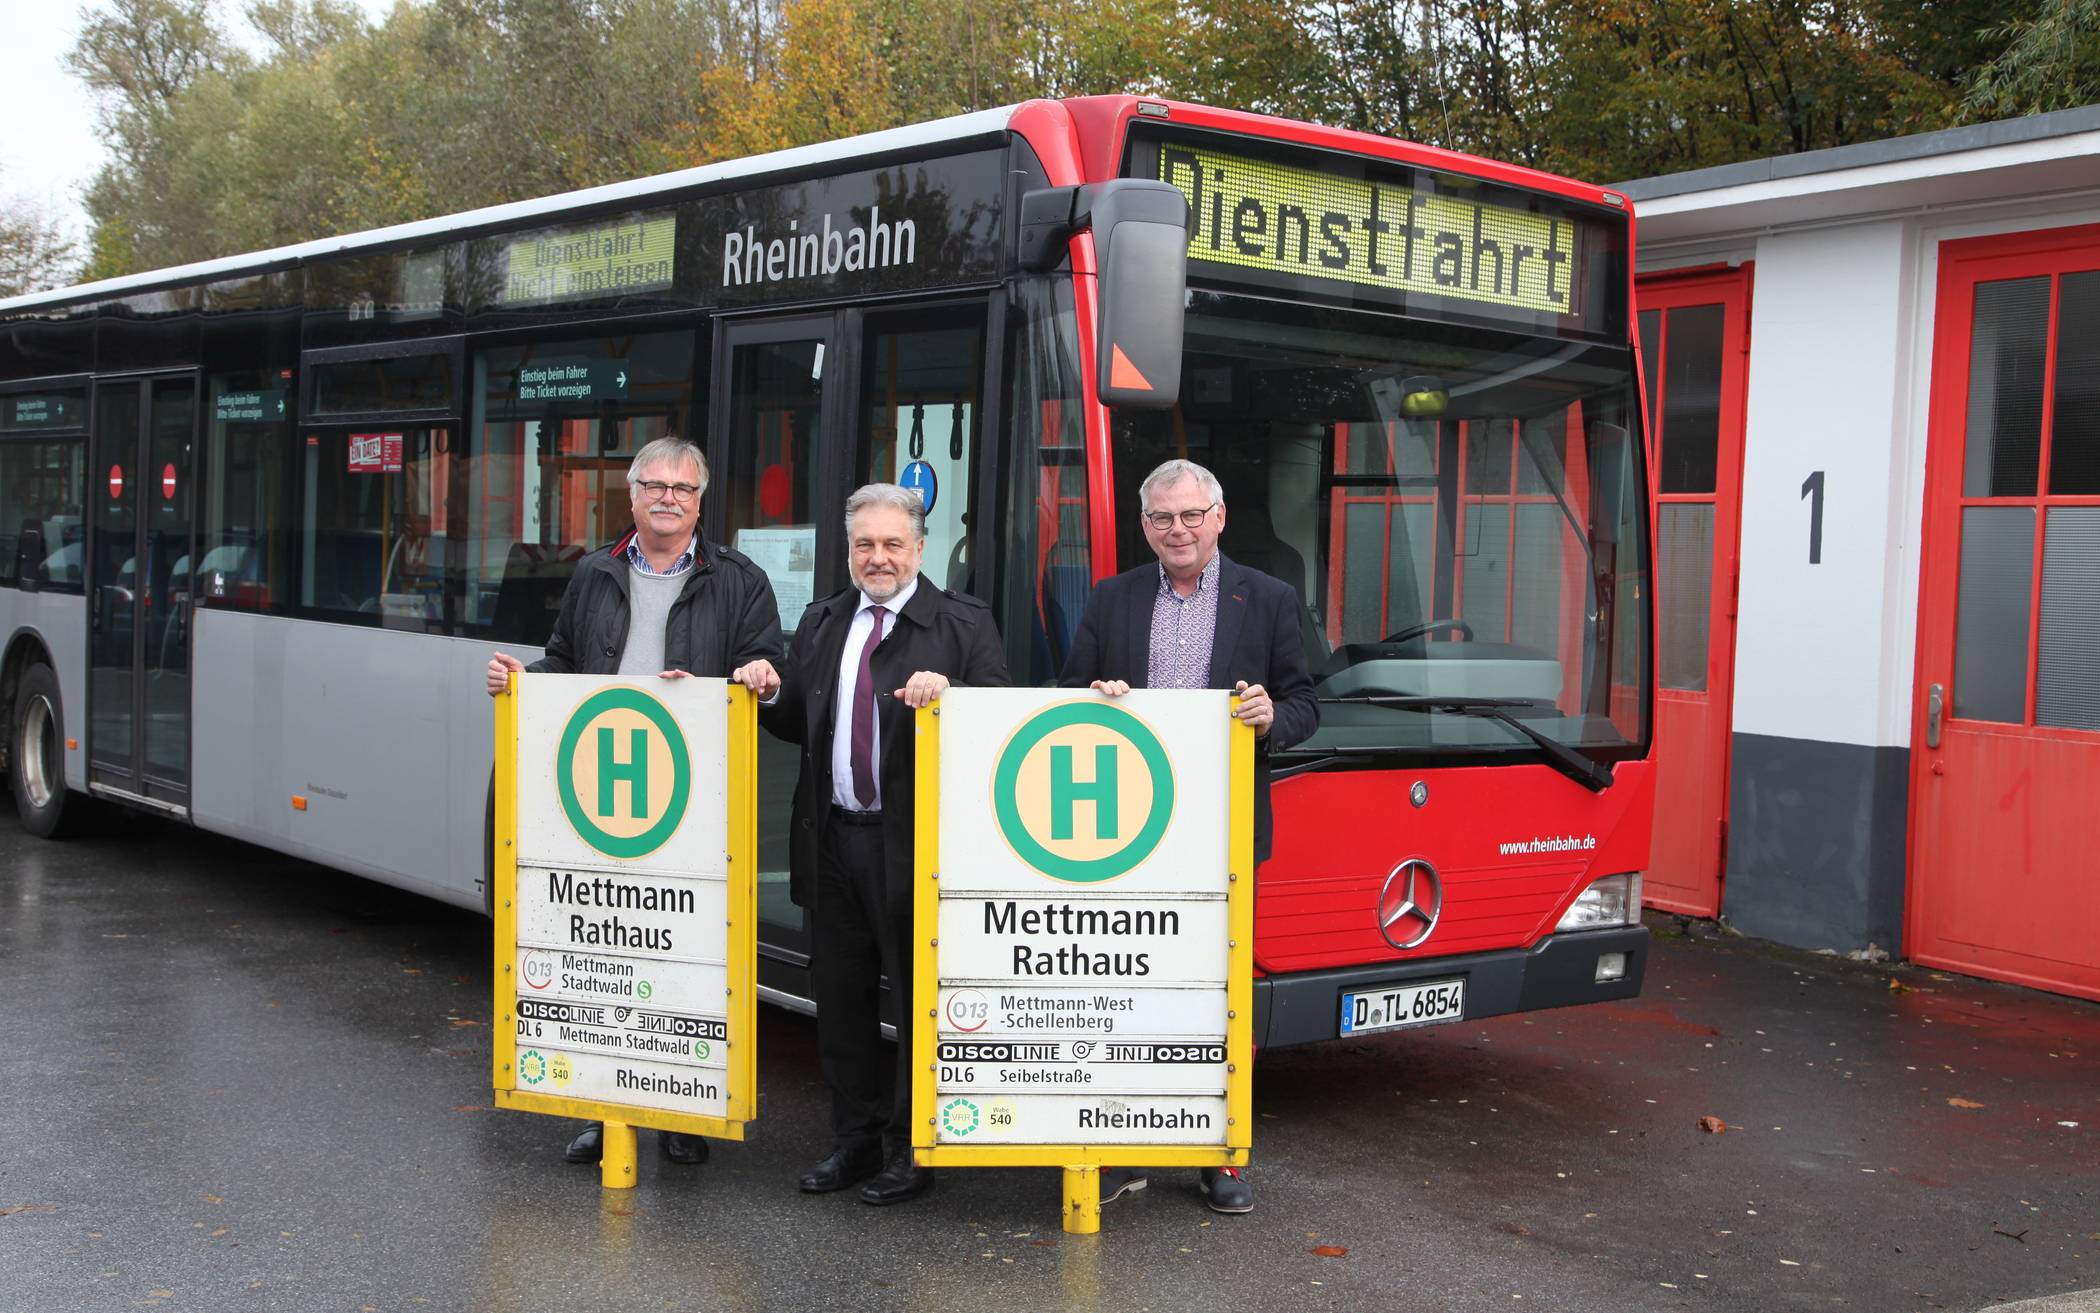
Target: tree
x,y
1640,87
2050,60
35,255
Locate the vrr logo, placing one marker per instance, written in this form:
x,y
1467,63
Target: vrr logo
x,y
1083,791
622,772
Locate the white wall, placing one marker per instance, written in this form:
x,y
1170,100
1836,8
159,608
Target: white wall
x,y
1832,316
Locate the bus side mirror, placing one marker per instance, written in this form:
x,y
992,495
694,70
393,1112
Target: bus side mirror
x,y
1141,240
1141,245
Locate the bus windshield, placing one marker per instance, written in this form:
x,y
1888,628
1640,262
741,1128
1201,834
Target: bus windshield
x,y
1460,510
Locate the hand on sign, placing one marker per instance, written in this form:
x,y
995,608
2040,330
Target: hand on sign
x,y
1255,708
500,667
1114,688
675,674
758,676
922,688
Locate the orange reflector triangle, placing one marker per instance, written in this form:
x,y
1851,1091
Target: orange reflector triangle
x,y
1123,374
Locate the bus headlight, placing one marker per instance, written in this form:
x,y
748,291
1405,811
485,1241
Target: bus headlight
x,y
1611,901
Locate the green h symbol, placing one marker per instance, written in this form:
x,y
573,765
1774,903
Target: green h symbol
x,y
1066,792
635,770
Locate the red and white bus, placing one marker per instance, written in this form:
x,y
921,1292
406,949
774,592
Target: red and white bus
x,y
263,519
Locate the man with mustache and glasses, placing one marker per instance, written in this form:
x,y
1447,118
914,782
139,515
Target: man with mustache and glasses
x,y
863,661
661,600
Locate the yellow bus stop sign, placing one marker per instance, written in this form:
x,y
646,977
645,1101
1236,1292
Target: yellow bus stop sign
x,y
1084,910
626,906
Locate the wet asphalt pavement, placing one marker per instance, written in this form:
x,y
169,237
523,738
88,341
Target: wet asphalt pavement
x,y
235,1081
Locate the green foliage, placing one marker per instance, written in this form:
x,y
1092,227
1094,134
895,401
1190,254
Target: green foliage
x,y
341,124
2050,60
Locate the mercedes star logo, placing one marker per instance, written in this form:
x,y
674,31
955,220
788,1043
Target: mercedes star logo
x,y
1410,903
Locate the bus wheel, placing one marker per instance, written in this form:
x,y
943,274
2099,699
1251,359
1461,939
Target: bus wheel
x,y
37,763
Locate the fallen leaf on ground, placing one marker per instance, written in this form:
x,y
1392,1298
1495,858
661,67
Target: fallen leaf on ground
x,y
466,1107
27,1208
1330,1251
464,1021
213,1199
1963,1103
1712,1125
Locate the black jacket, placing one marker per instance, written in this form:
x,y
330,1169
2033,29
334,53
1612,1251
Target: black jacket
x,y
724,616
947,632
1258,639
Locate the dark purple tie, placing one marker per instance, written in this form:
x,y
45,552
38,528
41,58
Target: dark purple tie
x,y
864,717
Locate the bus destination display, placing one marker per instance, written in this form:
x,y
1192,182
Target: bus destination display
x,y
1263,215
1083,919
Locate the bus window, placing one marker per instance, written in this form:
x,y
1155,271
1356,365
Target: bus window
x,y
374,523
1048,552
244,560
555,426
918,425
40,485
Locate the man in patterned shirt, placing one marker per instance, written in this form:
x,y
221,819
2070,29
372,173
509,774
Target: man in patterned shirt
x,y
661,600
1197,620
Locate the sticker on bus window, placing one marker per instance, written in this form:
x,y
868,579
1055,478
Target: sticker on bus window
x,y
375,453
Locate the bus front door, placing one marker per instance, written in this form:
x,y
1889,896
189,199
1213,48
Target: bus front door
x,y
139,588
776,430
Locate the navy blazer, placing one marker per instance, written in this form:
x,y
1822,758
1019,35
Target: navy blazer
x,y
1258,640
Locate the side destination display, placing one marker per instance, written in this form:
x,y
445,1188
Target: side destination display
x,y
626,902
1085,909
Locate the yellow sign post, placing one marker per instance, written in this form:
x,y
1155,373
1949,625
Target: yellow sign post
x,y
626,906
1084,909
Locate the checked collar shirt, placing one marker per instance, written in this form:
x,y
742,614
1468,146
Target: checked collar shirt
x,y
680,566
1182,631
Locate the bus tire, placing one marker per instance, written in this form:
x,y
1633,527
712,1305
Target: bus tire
x,y
37,761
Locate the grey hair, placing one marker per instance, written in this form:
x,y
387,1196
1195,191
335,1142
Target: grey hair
x,y
893,495
1169,473
669,449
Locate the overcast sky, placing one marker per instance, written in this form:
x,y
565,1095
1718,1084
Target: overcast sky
x,y
49,148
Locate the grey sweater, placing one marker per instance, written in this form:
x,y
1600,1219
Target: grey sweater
x,y
649,599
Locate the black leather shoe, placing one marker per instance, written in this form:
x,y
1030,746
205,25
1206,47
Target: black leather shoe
x,y
1227,1191
843,1168
588,1146
685,1149
900,1179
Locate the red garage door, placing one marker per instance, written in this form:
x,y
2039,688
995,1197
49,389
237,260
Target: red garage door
x,y
1694,345
2005,745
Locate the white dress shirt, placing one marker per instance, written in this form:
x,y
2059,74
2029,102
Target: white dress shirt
x,y
842,715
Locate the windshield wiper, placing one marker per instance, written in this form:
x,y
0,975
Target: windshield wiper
x,y
1578,766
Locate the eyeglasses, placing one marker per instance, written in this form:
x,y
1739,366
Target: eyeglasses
x,y
1164,520
654,491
